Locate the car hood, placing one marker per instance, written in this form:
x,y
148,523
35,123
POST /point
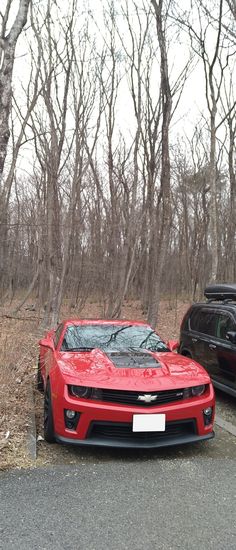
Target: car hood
x,y
165,370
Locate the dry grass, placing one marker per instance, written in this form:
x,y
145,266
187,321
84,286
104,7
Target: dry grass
x,y
18,352
18,363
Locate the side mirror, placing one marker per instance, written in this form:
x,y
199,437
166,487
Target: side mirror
x,y
173,345
46,343
231,335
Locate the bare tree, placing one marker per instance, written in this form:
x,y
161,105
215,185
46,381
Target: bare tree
x,y
229,109
106,212
139,60
215,61
166,99
8,41
232,7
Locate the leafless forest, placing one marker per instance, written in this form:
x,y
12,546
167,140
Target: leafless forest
x,y
114,183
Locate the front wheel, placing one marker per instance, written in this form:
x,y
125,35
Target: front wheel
x,y
48,416
39,381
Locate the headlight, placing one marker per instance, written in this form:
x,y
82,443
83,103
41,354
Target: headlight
x,y
83,392
80,391
198,390
195,391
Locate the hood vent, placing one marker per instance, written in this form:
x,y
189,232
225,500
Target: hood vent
x,y
133,360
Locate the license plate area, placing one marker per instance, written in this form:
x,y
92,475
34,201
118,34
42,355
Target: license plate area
x,y
149,423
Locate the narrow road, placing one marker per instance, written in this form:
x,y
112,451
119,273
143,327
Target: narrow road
x,y
121,504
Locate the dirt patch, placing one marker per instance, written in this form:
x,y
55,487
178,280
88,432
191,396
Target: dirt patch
x,y
18,365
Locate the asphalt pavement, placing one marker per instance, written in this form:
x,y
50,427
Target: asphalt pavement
x,y
90,499
132,504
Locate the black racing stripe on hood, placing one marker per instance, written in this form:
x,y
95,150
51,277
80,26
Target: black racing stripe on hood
x,y
133,360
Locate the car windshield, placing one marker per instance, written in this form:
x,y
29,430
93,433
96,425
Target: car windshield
x,y
111,337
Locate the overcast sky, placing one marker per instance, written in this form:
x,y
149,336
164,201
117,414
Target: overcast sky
x,y
192,102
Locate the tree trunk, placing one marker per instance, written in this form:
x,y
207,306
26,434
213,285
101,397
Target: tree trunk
x,y
165,168
7,56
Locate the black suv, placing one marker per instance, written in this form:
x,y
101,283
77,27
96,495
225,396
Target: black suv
x,y
208,335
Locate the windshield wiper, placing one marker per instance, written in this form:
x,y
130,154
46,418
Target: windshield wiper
x,y
157,350
86,348
153,347
147,337
114,334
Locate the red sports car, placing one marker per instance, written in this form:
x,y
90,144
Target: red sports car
x,y
117,383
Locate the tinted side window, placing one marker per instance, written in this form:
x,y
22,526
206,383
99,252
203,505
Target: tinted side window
x,y
224,323
194,319
185,321
207,322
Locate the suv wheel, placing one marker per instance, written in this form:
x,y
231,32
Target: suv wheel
x,y
186,354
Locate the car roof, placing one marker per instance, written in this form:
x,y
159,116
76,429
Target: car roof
x,y
118,322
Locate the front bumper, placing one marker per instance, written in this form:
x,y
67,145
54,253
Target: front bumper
x,y
135,442
106,424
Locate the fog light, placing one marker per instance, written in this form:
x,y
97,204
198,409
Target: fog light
x,y
71,419
70,414
208,411
207,415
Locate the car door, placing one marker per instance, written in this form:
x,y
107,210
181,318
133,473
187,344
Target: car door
x,y
203,330
190,335
225,356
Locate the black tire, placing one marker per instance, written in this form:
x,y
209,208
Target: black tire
x,y
39,382
48,416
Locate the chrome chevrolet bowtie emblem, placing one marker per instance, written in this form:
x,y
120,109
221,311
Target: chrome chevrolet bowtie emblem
x,y
147,398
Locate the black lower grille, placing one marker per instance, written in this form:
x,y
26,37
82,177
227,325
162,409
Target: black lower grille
x,y
123,432
142,399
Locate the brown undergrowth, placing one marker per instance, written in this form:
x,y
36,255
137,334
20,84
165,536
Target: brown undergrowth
x,y
18,365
